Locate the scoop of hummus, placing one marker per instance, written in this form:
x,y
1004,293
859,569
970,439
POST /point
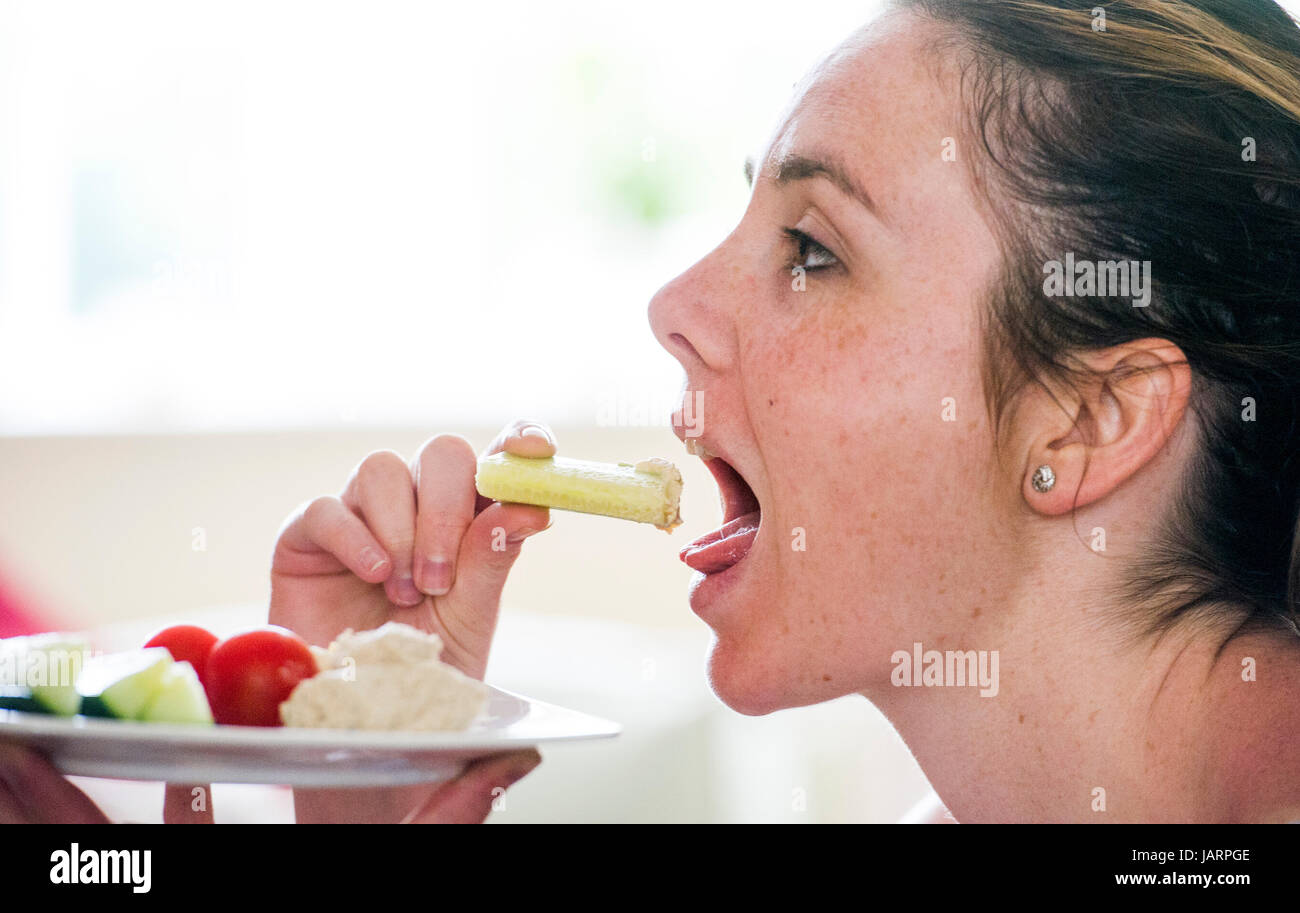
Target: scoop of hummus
x,y
390,678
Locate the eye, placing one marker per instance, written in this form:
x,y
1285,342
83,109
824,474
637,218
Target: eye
x,y
807,252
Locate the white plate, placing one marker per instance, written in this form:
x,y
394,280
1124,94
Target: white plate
x,y
298,757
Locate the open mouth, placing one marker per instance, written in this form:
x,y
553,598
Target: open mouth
x,y
727,545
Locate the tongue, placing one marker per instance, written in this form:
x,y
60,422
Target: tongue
x,y
725,546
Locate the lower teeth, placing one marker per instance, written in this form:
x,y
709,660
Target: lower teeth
x,y
695,448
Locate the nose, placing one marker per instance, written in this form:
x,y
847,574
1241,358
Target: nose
x,y
693,316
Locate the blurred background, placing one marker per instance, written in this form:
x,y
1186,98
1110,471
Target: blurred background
x,y
243,245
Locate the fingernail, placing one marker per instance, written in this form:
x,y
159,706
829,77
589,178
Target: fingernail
x,y
406,592
372,560
521,534
536,431
436,576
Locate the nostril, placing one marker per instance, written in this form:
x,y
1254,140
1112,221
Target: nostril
x,y
678,339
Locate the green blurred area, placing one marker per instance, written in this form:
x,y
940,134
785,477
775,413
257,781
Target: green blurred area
x,y
640,171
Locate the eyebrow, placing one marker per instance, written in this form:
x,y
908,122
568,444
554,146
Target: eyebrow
x,y
802,168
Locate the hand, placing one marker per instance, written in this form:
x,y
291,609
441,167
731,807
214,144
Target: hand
x,y
410,543
469,798
413,543
33,792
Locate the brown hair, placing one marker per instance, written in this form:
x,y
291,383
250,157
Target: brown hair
x,y
1130,138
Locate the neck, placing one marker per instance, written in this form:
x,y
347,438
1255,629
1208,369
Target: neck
x,y
1087,725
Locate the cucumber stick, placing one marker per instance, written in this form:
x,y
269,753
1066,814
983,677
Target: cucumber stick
x,y
122,685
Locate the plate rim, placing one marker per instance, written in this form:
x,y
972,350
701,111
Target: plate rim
x,y
19,723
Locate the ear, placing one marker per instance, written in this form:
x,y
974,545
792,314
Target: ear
x,y
1108,431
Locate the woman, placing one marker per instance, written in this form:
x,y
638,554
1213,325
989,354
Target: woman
x,y
1001,361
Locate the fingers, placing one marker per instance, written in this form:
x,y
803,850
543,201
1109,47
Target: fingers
x,y
187,804
382,494
471,797
445,501
35,790
487,552
325,527
11,810
405,526
524,438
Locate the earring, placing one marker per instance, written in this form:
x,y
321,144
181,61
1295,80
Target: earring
x,y
1043,479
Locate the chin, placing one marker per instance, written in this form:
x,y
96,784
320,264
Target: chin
x,y
750,677
751,682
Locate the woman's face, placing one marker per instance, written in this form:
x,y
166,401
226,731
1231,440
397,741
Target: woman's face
x,y
848,399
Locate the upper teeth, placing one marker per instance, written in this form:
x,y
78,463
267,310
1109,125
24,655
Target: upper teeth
x,y
693,446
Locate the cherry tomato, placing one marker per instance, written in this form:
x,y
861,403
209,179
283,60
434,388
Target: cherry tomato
x,y
250,674
187,643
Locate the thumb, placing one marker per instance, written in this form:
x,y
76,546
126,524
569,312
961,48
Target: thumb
x,y
187,804
488,550
479,790
491,544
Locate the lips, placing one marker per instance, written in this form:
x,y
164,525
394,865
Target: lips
x,y
727,545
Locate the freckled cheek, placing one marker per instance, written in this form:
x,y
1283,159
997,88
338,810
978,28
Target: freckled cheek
x,y
819,525
866,504
853,438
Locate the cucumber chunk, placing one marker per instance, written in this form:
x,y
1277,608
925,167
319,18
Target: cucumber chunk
x,y
121,685
63,659
16,697
48,666
180,699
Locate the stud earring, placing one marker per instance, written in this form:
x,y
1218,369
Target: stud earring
x,y
1043,479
